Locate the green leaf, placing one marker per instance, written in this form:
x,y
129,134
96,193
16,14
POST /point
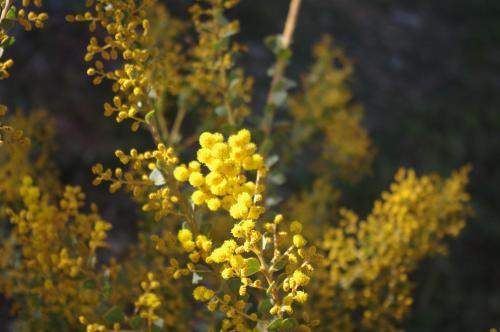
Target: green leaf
x,y
288,83
230,32
89,284
280,264
158,325
289,324
221,44
7,42
113,315
11,14
284,54
136,323
281,278
264,307
149,117
274,42
234,83
273,200
106,290
228,129
205,228
233,284
272,160
277,178
275,324
252,266
278,98
221,111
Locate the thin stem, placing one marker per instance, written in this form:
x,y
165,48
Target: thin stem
x,y
155,134
227,104
291,22
222,72
5,9
160,118
268,275
176,127
280,65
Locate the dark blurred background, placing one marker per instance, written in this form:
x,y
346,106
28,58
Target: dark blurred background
x,y
427,72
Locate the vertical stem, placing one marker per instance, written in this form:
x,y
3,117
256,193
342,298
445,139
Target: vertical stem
x,y
286,39
160,118
176,127
280,65
155,134
227,104
291,22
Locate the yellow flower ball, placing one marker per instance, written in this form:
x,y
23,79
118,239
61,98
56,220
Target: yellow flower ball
x,y
181,173
184,235
296,227
198,197
196,179
299,241
213,204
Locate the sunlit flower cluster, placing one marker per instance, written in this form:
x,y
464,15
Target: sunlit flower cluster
x,y
369,261
225,185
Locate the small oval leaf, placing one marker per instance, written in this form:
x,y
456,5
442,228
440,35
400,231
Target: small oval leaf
x,y
252,266
275,324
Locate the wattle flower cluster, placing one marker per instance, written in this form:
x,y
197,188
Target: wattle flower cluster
x,y
225,185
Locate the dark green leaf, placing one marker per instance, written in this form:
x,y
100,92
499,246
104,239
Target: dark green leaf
x,y
280,265
228,129
136,323
89,284
264,307
289,324
275,324
113,315
205,228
